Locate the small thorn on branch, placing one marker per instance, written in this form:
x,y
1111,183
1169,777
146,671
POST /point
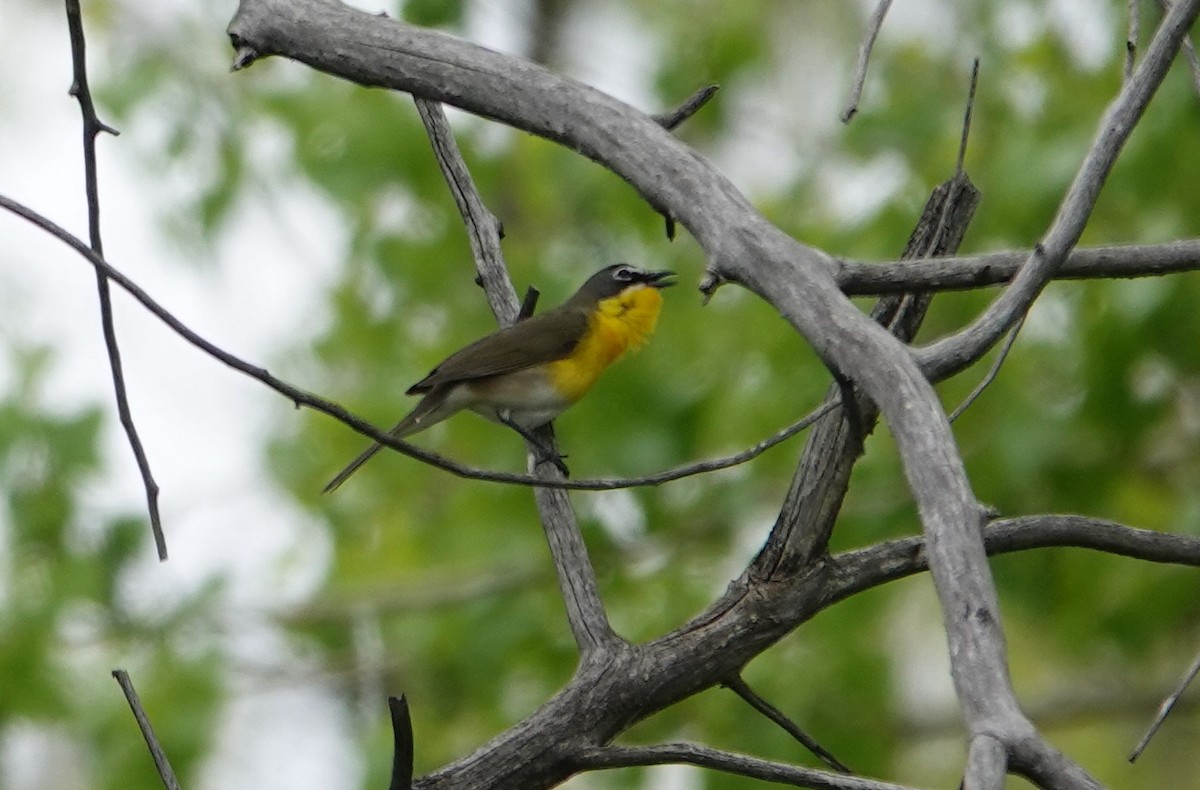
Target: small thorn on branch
x,y
529,303
671,120
709,285
243,57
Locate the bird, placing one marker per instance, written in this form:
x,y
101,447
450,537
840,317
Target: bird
x,y
525,375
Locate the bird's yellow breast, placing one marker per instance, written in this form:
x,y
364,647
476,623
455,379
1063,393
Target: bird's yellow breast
x,y
618,324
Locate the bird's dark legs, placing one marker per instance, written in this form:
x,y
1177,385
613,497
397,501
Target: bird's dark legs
x,y
545,454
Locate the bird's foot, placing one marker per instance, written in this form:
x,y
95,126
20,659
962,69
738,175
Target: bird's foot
x,y
545,455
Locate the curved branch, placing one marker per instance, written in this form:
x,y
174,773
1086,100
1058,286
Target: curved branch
x,y
727,762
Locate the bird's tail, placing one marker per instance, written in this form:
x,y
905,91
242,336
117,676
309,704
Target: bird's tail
x,y
351,468
429,411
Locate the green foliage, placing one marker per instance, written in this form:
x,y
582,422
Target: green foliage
x,y
67,619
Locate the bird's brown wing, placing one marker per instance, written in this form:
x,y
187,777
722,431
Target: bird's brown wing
x,y
534,341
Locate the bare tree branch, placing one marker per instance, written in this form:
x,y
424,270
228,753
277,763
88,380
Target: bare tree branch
x,y
161,762
822,478
739,686
1189,51
863,569
1165,709
874,23
727,762
987,762
576,576
858,278
993,371
92,126
1114,129
672,120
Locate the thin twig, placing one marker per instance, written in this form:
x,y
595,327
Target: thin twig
x,y
156,751
1165,709
1131,39
739,686
864,55
727,762
993,371
92,126
968,112
671,120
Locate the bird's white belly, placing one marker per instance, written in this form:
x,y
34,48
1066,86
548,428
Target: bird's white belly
x,y
527,398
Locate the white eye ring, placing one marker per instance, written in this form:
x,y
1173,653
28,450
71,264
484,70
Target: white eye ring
x,y
623,273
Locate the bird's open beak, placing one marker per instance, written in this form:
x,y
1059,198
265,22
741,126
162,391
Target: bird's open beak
x,y
659,279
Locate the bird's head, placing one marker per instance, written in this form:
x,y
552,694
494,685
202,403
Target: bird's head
x,y
620,277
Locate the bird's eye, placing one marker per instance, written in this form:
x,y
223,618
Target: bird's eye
x,y
623,273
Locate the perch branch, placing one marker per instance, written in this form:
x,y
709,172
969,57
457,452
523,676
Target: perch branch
x,y
329,408
741,247
92,126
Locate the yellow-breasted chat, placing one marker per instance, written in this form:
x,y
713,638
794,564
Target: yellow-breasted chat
x,y
525,375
